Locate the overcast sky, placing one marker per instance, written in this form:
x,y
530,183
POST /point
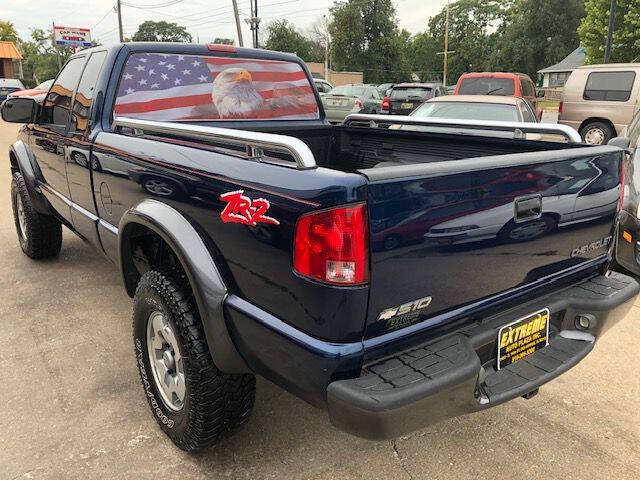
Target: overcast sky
x,y
204,19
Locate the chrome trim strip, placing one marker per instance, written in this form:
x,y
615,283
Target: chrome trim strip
x,y
69,203
254,142
569,133
107,226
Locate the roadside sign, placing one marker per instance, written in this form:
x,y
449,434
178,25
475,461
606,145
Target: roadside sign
x,y
71,36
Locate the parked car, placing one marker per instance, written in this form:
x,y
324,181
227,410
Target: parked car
x,y
38,92
346,99
628,242
9,85
405,97
272,266
499,83
600,100
478,107
322,85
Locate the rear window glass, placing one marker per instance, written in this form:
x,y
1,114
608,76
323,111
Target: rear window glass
x,y
470,111
348,91
487,86
165,87
11,83
411,92
527,89
609,86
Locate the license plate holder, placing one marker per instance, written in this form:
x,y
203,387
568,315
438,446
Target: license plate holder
x,y
523,337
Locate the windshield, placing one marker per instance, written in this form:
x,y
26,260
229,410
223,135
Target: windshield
x,y
46,85
487,86
421,93
348,90
469,111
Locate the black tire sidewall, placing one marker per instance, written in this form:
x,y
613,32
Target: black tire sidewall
x,y
147,301
608,133
26,205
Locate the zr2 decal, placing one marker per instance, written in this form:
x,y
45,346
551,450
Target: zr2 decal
x,y
241,209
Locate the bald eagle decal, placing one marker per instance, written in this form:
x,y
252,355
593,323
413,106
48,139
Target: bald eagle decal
x,y
188,87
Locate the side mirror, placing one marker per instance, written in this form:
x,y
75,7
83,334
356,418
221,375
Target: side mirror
x,y
620,142
19,110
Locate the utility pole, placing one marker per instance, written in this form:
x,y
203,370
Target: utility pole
x,y
119,6
53,40
235,12
446,47
612,26
254,21
257,22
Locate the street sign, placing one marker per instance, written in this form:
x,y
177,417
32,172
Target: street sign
x,y
71,36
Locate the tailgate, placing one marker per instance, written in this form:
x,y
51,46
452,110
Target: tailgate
x,y
464,230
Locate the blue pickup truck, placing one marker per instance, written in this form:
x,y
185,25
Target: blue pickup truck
x,y
392,276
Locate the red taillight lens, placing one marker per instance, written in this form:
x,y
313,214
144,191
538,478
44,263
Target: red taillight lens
x,y
385,103
560,107
332,245
357,104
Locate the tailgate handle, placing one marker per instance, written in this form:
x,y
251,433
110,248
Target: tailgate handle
x,y
528,208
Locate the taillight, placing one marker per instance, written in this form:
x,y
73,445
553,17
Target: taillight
x,y
332,245
357,105
560,107
385,104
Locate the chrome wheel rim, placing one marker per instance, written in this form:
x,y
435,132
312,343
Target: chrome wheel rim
x,y
530,230
594,136
22,218
158,187
166,361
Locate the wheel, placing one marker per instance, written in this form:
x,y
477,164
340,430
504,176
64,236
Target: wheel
x,y
158,186
192,401
40,236
523,232
597,133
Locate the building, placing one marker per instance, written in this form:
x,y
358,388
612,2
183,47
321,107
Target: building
x,y
10,60
334,78
556,75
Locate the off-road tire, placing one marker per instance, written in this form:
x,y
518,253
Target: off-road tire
x,y
215,404
41,235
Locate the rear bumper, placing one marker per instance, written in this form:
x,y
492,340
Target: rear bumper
x,y
415,387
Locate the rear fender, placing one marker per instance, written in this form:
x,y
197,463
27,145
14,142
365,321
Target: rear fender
x,y
206,282
31,173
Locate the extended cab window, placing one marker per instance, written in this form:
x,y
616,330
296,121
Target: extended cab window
x,y
487,86
609,86
527,88
55,109
84,95
168,87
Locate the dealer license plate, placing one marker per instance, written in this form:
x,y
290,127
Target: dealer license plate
x,y
404,106
523,337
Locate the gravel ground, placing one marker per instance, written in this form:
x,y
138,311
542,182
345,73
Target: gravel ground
x,y
75,409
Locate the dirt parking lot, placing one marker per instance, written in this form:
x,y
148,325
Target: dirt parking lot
x,y
74,409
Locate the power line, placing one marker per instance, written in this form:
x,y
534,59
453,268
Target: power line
x,y
103,17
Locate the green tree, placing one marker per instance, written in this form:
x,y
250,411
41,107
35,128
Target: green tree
x,y
223,41
625,46
365,36
151,31
421,53
282,36
536,34
8,32
40,57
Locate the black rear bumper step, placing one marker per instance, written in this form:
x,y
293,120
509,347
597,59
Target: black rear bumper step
x,y
445,378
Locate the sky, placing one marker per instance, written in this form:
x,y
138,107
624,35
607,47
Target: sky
x,y
204,19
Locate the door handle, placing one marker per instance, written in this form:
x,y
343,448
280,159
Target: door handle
x,y
527,208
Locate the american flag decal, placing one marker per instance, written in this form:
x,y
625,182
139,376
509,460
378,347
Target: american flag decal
x,y
165,87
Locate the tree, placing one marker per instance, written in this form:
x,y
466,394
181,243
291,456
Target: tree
x,y
365,36
40,57
282,36
625,46
536,34
151,31
8,32
223,41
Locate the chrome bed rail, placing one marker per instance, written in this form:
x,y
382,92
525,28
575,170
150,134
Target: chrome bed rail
x,y
518,128
255,143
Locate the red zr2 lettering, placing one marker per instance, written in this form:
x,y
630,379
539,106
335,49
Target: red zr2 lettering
x,y
241,209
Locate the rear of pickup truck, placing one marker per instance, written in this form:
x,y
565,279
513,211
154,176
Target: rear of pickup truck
x,y
487,277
